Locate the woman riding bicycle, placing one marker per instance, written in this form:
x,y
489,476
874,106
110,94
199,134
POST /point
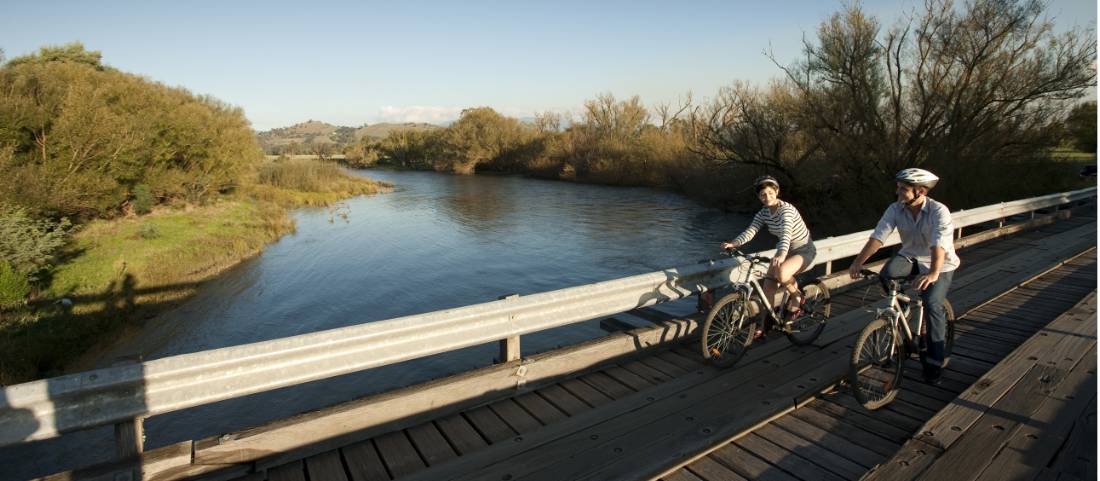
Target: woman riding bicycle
x,y
795,251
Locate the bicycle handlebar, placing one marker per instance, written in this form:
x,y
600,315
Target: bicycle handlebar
x,y
752,258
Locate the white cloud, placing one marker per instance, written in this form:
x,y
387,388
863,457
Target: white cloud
x,y
418,113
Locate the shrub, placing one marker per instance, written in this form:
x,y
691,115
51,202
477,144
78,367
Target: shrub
x,y
28,244
143,199
14,287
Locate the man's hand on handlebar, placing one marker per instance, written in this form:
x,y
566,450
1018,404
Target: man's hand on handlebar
x,y
855,271
728,246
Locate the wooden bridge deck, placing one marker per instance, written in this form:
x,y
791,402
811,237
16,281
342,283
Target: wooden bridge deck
x,y
777,415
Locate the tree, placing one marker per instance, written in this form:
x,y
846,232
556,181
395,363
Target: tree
x,y
73,52
952,88
748,126
479,136
1081,126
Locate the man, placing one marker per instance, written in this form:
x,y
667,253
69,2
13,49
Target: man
x,y
927,252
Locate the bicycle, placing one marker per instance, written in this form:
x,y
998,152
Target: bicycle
x,y
731,323
875,369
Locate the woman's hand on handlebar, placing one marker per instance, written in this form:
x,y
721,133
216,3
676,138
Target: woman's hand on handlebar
x,y
729,246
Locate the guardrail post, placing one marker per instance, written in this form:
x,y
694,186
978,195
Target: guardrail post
x,y
959,233
130,438
129,435
509,346
828,267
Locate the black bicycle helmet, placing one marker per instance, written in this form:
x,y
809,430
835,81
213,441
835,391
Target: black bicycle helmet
x,y
764,180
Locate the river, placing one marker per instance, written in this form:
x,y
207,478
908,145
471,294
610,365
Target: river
x,y
438,241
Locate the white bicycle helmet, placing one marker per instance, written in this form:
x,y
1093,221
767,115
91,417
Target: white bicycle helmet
x,y
917,177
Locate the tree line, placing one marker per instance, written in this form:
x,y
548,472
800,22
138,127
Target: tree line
x,y
978,93
83,140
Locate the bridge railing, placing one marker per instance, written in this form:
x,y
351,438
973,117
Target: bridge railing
x,y
124,395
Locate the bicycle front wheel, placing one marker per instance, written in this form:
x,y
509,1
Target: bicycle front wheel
x,y
875,369
727,331
810,322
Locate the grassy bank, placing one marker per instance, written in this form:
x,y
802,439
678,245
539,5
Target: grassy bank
x,y
114,274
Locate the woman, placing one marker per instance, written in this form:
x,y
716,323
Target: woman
x,y
795,251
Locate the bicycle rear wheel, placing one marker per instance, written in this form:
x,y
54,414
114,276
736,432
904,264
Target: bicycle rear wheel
x,y
727,331
875,370
808,325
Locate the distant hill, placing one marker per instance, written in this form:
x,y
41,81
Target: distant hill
x,y
313,132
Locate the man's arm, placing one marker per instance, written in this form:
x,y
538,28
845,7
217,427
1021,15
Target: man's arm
x,y
933,275
869,249
883,230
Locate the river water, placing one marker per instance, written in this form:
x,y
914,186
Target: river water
x,y
438,241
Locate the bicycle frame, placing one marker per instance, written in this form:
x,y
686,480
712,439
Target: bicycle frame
x,y
752,289
896,313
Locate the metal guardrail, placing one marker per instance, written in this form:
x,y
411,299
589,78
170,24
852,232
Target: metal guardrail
x,y
49,407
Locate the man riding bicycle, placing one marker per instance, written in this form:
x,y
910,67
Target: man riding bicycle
x,y
927,252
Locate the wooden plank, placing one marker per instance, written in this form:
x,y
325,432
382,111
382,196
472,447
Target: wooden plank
x,y
166,462
813,451
681,475
605,384
786,460
461,434
564,400
539,407
431,444
288,472
644,371
398,454
363,461
326,466
1035,445
692,364
628,378
488,424
515,416
841,427
585,392
703,423
836,443
711,470
862,418
888,415
968,456
748,465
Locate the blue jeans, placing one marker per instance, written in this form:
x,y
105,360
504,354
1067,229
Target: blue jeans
x,y
934,313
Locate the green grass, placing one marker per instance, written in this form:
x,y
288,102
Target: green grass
x,y
1071,155
120,271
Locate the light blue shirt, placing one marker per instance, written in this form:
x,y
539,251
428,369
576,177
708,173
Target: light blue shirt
x,y
931,228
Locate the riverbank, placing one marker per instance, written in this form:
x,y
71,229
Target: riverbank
x,y
115,274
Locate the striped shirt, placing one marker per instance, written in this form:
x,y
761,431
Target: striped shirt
x,y
786,224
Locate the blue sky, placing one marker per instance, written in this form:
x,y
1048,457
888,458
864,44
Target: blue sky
x,y
362,62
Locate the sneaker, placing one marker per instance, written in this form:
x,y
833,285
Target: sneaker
x,y
933,375
795,310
